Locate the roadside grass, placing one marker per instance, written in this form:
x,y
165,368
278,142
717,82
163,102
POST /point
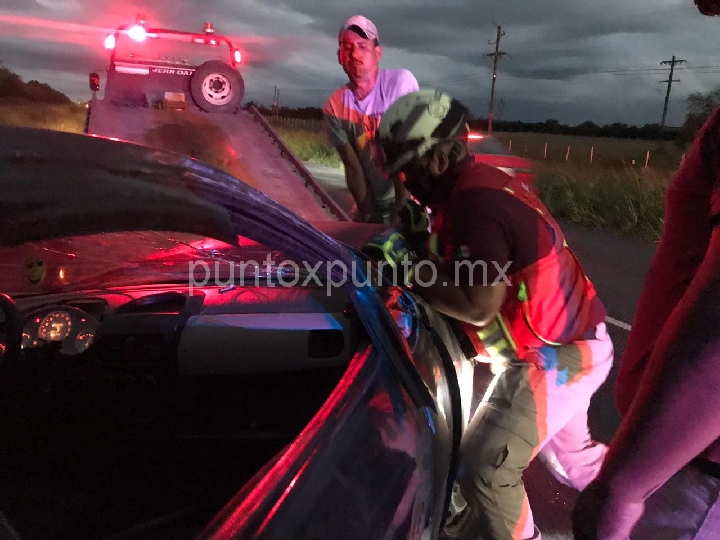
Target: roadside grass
x,y
309,146
69,118
630,201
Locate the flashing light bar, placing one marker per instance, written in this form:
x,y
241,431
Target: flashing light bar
x,y
206,41
475,136
132,70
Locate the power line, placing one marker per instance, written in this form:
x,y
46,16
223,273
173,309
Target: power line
x,y
496,55
669,82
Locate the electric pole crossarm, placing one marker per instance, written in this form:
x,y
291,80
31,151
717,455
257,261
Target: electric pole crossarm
x,y
669,82
496,55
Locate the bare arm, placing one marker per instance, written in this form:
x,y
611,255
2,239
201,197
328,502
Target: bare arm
x,y
475,304
401,197
674,416
476,291
355,179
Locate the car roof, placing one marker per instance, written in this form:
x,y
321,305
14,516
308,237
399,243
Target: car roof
x,y
487,144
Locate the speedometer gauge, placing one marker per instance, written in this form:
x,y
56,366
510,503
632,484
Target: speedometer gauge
x,y
83,340
55,326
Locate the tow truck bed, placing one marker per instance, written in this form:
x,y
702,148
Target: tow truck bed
x,y
243,144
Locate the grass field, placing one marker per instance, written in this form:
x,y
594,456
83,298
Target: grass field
x,y
606,151
609,194
56,117
629,201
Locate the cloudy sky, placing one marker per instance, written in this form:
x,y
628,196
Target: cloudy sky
x,y
572,60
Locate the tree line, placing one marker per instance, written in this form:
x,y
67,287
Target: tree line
x,y
13,90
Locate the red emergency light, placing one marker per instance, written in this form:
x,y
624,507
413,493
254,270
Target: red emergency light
x,y
206,40
475,136
137,33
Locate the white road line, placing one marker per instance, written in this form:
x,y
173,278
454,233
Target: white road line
x,y
619,324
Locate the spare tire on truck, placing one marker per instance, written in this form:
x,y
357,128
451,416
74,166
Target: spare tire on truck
x,y
216,87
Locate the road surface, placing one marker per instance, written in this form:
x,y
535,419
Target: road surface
x,y
617,266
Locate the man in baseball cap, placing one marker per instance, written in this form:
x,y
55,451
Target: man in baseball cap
x,y
352,115
362,26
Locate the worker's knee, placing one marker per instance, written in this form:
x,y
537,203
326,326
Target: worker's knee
x,y
495,461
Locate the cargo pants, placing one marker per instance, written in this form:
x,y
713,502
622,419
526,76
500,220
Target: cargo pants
x,y
538,405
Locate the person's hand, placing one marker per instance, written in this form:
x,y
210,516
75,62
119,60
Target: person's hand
x,y
598,515
414,218
395,258
414,222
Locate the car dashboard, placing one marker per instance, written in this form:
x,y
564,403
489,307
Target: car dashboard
x,y
206,351
199,386
219,330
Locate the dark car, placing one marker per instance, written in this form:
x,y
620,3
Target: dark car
x,y
183,357
488,149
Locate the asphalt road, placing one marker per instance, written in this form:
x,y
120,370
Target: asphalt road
x,y
617,266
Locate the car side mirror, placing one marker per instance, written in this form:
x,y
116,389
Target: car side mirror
x,y
94,82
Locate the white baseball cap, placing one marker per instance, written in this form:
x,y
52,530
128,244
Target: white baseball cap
x,y
364,24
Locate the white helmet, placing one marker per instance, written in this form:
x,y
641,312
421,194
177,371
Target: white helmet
x,y
415,123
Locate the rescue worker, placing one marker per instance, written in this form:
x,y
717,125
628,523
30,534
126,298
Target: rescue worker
x,y
661,479
352,114
497,263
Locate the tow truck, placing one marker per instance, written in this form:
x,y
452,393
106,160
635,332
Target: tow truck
x,y
182,91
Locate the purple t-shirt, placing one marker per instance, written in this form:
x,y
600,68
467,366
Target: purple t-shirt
x,y
348,120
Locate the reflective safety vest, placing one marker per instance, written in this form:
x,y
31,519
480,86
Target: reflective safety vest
x,y
550,302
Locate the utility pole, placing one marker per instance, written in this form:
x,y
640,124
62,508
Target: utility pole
x,y
495,56
276,101
669,82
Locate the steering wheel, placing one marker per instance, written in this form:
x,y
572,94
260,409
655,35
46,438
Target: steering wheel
x,y
13,334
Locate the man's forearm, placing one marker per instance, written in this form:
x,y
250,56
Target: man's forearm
x,y
674,416
355,180
444,295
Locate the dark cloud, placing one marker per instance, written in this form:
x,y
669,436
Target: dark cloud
x,y
69,58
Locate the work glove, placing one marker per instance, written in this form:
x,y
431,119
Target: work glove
x,y
414,218
395,259
415,225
